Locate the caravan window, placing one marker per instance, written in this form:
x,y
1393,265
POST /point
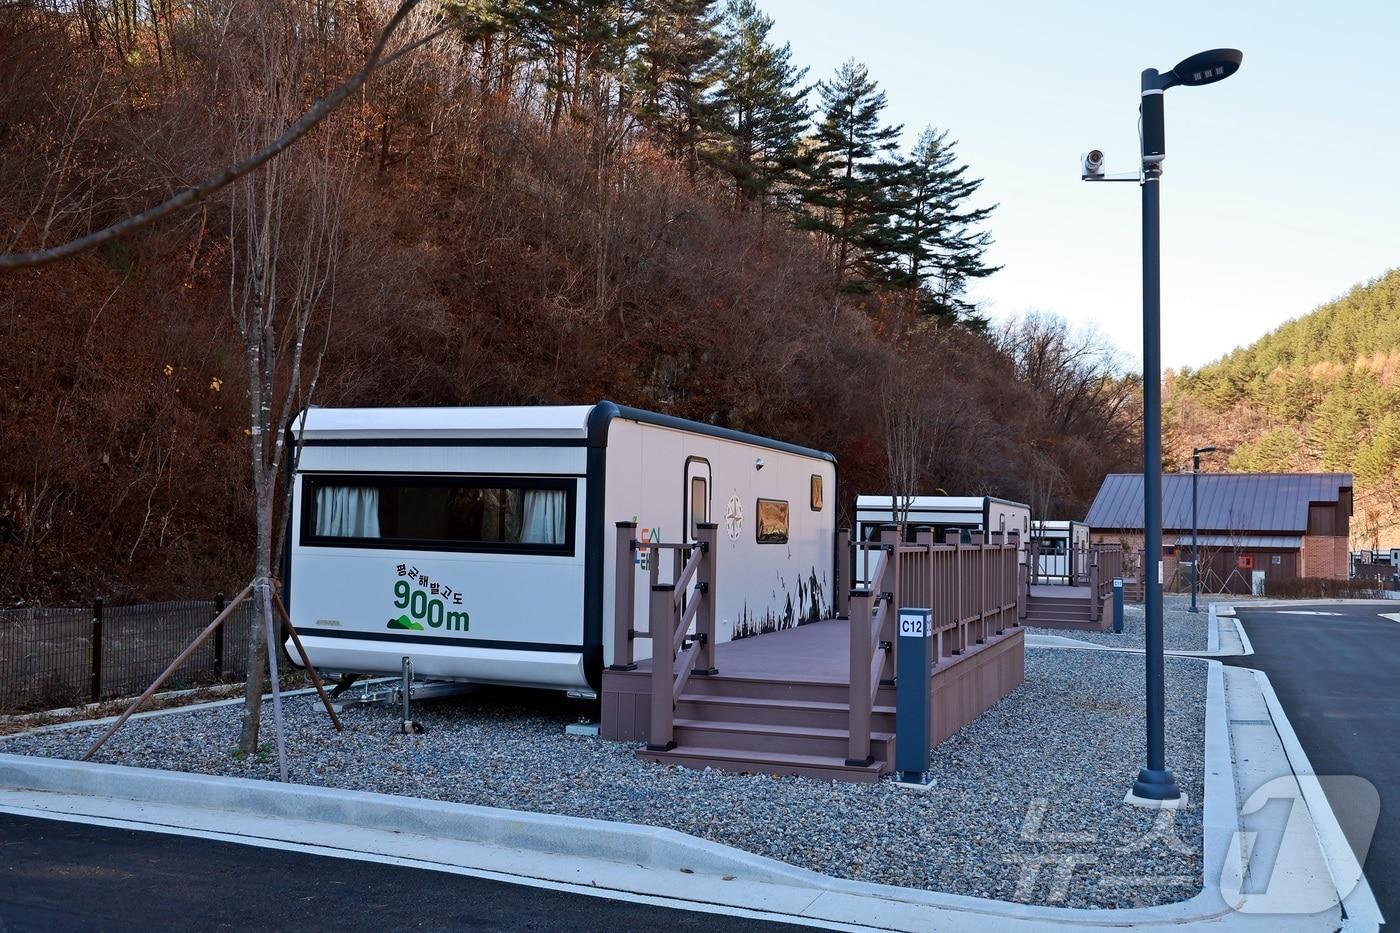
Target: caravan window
x,y
446,513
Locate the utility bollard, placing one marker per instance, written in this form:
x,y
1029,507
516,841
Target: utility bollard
x,y
913,710
1118,605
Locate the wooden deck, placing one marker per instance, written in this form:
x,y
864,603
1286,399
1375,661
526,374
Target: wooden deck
x,y
780,702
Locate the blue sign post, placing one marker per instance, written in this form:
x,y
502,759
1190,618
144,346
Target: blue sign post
x,y
913,712
1118,605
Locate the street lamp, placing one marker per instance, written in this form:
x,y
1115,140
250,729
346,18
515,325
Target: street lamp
x,y
1195,532
1155,784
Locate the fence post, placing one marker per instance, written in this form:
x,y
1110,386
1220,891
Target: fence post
x,y
218,638
661,624
845,567
95,688
858,743
624,598
1095,606
705,589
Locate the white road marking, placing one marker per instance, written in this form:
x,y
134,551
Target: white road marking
x,y
1392,616
1305,612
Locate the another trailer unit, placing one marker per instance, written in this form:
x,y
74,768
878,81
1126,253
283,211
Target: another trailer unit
x,y
942,514
480,542
1063,546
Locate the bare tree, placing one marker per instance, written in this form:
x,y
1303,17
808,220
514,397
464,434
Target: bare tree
x,y
284,243
905,429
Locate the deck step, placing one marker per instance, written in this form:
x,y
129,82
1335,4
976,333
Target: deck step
x,y
741,761
762,739
776,712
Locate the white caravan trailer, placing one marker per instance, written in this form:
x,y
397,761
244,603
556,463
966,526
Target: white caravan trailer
x,y
965,514
480,542
1062,548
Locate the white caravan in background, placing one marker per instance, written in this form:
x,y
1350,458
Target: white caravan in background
x,y
942,514
1063,546
480,542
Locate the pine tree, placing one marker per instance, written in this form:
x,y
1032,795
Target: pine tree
x,y
760,103
936,246
847,185
585,45
673,72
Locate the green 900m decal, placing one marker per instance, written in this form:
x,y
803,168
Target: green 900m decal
x,y
424,608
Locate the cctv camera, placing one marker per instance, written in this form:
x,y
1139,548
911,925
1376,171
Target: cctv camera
x,y
1091,163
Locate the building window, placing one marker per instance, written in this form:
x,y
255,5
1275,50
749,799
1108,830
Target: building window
x,y
772,524
816,493
442,513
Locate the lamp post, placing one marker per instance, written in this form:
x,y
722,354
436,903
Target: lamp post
x,y
1155,784
1195,531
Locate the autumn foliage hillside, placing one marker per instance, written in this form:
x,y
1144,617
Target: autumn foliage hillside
x,y
465,230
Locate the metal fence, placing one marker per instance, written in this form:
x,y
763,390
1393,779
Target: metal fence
x,y
51,658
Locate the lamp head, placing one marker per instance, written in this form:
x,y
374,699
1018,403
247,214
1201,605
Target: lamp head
x,y
1207,67
1209,449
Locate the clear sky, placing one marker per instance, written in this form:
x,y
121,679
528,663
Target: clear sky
x,y
1280,190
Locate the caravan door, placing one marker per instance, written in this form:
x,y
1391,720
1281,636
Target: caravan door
x,y
697,494
697,501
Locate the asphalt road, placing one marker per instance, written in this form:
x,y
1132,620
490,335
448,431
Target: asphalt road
x,y
1338,678
71,876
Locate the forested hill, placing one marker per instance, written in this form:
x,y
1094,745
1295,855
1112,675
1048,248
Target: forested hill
x,y
537,202
1321,392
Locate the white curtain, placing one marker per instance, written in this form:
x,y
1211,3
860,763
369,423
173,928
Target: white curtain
x,y
347,512
544,517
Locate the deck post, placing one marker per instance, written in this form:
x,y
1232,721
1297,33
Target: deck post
x,y
858,746
1095,606
979,540
624,598
954,537
1013,577
662,625
890,537
845,564
999,577
924,594
705,589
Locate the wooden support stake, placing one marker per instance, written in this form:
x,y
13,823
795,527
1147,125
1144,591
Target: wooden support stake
x,y
306,661
200,639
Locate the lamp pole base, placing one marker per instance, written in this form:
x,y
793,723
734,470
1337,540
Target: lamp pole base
x,y
1156,789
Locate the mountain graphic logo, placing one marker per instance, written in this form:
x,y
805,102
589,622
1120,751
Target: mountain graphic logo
x,y
404,623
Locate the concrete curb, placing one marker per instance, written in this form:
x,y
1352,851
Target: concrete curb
x,y
1363,913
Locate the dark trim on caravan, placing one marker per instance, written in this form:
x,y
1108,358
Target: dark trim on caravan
x,y
447,442
406,638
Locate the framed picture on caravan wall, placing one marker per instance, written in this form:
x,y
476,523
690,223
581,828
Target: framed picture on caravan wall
x,y
772,525
816,493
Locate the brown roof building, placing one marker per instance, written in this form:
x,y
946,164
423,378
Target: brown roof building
x,y
1278,524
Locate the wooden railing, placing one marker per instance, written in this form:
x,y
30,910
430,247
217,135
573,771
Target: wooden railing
x,y
1077,561
1105,563
975,591
680,620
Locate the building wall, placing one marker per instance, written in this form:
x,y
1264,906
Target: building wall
x,y
1326,556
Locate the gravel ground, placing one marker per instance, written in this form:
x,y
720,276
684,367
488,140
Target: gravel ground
x,y
1181,630
1028,805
